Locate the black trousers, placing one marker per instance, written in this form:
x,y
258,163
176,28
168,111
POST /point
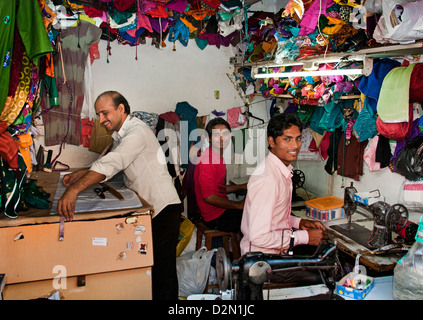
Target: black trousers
x,y
165,227
229,221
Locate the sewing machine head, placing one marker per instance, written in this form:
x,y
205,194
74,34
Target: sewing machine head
x,y
386,218
252,270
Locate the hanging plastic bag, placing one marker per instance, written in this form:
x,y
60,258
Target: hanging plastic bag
x,y
403,19
409,162
193,271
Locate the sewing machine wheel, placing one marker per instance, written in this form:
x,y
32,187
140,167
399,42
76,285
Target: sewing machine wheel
x,y
298,178
223,269
349,204
396,218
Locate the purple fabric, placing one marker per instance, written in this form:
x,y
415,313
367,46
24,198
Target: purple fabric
x,y
155,24
217,39
177,5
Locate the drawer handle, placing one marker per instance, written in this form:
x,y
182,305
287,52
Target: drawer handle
x,y
80,281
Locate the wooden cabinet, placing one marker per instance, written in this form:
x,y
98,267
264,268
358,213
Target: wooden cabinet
x,y
104,255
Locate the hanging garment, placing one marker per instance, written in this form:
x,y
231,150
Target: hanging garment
x,y
350,158
370,154
76,42
365,126
8,146
392,105
370,85
15,103
398,131
187,115
27,19
235,117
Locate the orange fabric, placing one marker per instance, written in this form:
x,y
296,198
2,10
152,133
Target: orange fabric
x,y
25,142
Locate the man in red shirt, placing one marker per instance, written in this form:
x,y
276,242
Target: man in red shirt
x,y
210,186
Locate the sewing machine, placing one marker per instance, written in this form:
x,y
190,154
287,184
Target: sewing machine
x,y
251,271
386,218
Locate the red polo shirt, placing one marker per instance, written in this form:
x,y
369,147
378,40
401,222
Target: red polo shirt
x,y
209,178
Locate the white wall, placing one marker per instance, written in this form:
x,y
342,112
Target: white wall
x,y
161,78
318,181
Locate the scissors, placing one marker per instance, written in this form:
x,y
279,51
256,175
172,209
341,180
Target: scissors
x,y
100,192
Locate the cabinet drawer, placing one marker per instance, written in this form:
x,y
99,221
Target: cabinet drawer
x,y
88,247
134,284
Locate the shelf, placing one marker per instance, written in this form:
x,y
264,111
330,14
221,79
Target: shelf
x,y
382,51
288,96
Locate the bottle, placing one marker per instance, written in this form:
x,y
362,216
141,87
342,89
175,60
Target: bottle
x,y
408,273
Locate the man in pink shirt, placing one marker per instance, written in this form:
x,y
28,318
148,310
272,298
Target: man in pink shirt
x,y
210,186
267,223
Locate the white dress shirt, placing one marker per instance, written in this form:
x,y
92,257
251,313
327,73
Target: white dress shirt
x,y
138,154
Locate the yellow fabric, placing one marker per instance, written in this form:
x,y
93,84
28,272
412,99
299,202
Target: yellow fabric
x,y
335,25
190,26
14,105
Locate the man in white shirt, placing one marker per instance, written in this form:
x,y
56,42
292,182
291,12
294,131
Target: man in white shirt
x,y
138,154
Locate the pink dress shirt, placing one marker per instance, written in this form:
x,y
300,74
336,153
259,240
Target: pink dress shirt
x,y
267,220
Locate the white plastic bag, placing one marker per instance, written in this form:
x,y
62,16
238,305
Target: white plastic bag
x,y
193,270
403,19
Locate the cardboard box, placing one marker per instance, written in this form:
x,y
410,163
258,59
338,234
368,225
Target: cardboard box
x,y
355,292
88,247
132,284
325,208
368,198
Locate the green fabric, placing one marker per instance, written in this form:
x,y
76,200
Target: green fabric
x,y
11,184
26,15
393,102
201,43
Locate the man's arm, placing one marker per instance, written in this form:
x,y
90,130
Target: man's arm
x,y
70,178
230,188
220,202
66,204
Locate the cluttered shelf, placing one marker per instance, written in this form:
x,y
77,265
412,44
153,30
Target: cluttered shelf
x,y
380,51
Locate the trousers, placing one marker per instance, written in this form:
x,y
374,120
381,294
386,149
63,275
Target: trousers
x,y
165,226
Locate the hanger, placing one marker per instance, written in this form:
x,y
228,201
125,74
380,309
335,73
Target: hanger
x,y
249,114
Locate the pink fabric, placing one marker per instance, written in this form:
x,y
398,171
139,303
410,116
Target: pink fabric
x,y
209,178
311,16
370,154
414,187
233,115
267,209
143,22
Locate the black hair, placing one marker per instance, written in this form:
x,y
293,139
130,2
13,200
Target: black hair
x,y
278,124
214,122
117,99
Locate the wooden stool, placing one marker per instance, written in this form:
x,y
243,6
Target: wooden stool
x,y
209,234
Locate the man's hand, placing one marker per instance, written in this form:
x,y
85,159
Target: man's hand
x,y
316,236
66,204
310,224
78,181
70,178
316,231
